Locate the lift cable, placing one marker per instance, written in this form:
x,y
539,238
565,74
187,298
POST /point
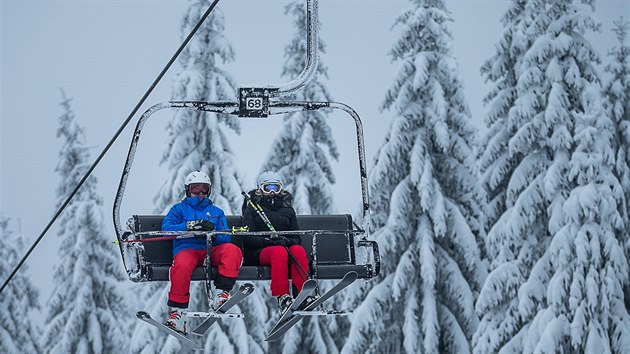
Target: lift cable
x,y
111,142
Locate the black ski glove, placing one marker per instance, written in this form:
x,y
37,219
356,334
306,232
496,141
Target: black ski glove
x,y
199,225
205,225
277,241
283,241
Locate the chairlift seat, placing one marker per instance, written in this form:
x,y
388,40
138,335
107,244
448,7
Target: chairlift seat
x,y
334,257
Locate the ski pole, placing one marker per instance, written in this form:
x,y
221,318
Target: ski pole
x,y
259,210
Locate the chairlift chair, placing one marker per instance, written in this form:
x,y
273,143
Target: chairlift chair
x,y
335,244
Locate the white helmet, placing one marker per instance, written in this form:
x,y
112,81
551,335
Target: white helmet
x,y
197,177
270,182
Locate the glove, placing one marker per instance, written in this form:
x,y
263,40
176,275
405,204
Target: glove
x,y
282,241
204,225
199,225
204,237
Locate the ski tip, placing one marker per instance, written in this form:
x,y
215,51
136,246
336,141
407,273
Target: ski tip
x,y
142,314
310,282
199,333
351,275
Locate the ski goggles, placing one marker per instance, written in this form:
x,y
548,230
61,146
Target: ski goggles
x,y
198,188
271,187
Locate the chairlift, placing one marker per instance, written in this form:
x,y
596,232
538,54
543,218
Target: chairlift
x,y
337,248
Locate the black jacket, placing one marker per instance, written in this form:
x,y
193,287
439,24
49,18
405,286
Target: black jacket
x,y
281,215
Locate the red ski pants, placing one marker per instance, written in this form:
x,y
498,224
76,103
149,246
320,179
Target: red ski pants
x,y
278,258
227,257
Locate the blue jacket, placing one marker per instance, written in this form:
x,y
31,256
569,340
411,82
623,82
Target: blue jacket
x,y
195,208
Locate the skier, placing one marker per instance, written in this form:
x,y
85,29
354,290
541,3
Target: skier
x,y
275,202
197,213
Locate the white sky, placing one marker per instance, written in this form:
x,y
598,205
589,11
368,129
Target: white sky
x,y
105,54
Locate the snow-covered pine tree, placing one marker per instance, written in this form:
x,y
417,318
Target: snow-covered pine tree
x,y
301,153
197,141
552,73
86,312
500,170
18,334
575,288
426,203
617,94
496,164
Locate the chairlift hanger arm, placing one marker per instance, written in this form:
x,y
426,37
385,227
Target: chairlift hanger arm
x,y
312,59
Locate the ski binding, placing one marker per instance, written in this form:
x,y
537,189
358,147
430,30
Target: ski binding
x,y
212,316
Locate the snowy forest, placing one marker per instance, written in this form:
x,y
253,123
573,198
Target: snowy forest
x,y
514,238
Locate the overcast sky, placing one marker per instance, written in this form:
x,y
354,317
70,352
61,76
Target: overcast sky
x,y
105,54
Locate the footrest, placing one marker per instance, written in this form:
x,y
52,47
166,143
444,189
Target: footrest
x,y
323,312
214,314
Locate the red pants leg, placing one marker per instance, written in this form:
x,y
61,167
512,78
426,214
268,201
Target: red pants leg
x,y
184,262
299,274
228,258
278,258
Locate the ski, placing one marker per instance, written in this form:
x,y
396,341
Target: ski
x,y
282,327
144,316
307,289
243,291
